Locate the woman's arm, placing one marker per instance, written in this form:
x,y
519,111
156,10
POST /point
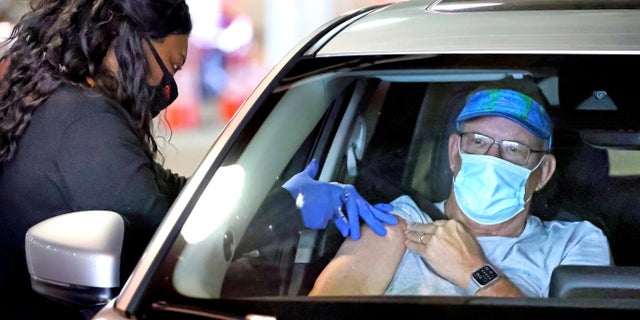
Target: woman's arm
x,y
365,266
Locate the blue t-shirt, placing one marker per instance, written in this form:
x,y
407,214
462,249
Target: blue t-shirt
x,y
527,260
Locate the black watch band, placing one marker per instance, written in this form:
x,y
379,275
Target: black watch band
x,y
482,278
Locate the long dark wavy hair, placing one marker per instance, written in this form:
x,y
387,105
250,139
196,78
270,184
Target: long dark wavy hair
x,y
65,42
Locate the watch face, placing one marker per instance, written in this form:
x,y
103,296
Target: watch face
x,y
484,275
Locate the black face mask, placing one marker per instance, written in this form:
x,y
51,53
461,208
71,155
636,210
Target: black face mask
x,y
167,91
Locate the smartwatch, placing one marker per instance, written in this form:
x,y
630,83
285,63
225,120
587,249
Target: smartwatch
x,y
482,278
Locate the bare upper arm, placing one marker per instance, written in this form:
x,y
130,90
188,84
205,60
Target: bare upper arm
x,y
364,266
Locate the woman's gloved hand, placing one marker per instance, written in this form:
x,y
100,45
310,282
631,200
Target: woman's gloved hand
x,y
320,202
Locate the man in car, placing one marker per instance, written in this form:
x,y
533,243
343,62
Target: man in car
x,y
489,244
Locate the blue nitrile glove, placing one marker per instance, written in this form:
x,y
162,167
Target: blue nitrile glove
x,y
320,202
357,206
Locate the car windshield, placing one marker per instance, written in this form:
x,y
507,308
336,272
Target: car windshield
x,y
383,124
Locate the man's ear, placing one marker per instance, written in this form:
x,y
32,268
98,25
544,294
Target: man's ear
x,y
548,167
454,157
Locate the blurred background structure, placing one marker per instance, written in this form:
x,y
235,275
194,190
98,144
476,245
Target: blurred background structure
x,y
233,45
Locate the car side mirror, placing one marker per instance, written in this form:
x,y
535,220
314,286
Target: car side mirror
x,y
74,258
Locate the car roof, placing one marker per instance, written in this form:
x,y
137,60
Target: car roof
x,y
472,26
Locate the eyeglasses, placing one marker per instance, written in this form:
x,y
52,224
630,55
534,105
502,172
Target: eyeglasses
x,y
512,151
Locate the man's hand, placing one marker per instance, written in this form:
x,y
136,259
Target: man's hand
x,y
320,202
450,249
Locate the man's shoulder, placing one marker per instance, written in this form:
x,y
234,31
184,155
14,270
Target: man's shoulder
x,y
584,227
406,208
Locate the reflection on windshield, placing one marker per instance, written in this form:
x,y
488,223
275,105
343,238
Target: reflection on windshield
x,y
222,193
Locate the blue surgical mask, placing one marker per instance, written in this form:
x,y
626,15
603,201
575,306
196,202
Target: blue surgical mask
x,y
490,190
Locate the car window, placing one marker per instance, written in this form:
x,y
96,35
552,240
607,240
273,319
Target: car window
x,y
623,162
238,188
382,127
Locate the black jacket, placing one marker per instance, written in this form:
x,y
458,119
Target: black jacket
x,y
78,153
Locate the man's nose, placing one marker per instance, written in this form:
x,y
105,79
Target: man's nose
x,y
494,150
